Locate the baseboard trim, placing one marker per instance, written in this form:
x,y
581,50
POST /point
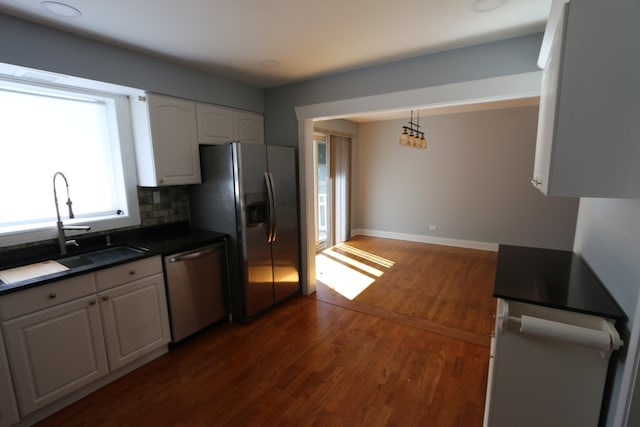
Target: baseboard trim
x,y
469,244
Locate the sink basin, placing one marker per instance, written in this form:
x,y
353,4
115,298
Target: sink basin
x,y
30,271
118,253
75,261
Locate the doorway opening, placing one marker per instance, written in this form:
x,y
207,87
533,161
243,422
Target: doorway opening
x,y
332,181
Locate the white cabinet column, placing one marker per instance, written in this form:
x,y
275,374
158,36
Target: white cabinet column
x,y
8,408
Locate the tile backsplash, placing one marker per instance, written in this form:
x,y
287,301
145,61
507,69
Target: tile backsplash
x,y
171,204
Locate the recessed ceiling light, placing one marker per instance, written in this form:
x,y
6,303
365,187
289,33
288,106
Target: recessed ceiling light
x,y
487,5
269,63
61,9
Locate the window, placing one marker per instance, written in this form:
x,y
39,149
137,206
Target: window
x,y
321,208
84,134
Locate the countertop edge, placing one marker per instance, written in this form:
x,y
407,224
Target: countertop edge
x,y
187,238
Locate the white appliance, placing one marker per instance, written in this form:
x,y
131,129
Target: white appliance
x,y
547,366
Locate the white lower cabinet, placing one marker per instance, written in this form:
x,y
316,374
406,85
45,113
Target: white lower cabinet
x,y
134,319
55,351
8,409
547,367
63,336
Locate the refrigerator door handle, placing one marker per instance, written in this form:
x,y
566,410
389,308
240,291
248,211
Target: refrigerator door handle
x,y
267,180
274,220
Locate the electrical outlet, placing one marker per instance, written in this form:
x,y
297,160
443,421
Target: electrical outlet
x,y
156,197
433,227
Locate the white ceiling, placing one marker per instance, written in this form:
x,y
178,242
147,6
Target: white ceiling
x,y
307,38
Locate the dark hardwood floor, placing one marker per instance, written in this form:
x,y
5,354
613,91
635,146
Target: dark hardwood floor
x,y
386,358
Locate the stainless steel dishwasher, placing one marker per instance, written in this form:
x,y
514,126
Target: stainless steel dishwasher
x,y
195,288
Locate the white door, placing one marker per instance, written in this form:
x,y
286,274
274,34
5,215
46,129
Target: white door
x,y
135,319
55,351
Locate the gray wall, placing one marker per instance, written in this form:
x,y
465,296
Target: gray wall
x,y
501,58
35,46
473,181
608,237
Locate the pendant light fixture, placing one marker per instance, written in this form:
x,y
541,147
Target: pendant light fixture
x,y
411,135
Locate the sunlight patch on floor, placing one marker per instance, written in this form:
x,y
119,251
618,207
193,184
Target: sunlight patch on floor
x,y
354,263
344,273
347,281
365,255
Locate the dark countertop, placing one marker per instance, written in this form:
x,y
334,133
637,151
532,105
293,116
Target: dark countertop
x,y
157,240
552,278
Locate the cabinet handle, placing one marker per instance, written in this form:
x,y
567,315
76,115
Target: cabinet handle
x,y
132,272
536,182
105,297
92,302
52,295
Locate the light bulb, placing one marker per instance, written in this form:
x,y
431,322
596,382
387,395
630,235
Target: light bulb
x,y
404,137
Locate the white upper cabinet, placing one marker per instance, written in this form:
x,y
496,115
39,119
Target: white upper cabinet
x,y
589,124
217,125
249,127
166,141
167,132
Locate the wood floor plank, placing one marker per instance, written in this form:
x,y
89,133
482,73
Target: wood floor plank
x,y
315,362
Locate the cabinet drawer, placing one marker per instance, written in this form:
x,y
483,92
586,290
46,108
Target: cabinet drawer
x,y
114,276
44,296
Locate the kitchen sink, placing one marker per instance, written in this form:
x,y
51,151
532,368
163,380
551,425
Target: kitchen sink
x,y
118,253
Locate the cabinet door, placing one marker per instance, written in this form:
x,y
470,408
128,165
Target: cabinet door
x,y
249,127
174,140
548,107
216,125
8,408
595,128
55,351
135,319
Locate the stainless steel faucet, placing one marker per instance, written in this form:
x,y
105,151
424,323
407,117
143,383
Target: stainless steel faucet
x,y
62,240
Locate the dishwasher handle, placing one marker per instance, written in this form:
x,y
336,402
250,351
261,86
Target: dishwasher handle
x,y
193,255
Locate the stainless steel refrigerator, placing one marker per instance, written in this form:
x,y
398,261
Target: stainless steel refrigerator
x,y
249,192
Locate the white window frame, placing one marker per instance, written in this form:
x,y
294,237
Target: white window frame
x,y
117,96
